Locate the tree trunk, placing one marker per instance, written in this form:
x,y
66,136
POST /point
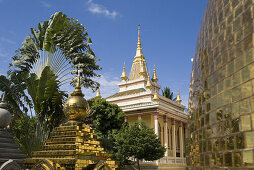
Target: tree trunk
x,y
138,164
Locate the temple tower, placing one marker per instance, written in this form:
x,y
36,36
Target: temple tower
x,y
139,98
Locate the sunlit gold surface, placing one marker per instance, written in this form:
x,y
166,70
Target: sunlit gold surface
x,y
221,103
76,108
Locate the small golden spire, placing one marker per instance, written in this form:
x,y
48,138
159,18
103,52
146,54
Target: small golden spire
x,y
139,49
142,69
148,84
154,78
77,91
124,76
155,97
98,94
178,99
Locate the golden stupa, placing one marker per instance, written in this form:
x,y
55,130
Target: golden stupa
x,y
76,107
73,145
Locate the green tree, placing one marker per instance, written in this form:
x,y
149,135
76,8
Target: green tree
x,y
168,94
137,141
106,119
28,134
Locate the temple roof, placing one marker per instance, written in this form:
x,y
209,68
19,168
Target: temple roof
x,y
124,93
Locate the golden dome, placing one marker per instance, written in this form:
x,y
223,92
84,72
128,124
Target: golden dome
x,y
76,107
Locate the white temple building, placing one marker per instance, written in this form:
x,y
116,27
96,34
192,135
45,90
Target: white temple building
x,y
139,98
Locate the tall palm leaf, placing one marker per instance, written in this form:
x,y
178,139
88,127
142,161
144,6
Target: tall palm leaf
x,y
14,88
47,98
63,45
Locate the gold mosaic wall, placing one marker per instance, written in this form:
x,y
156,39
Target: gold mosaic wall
x,y
221,104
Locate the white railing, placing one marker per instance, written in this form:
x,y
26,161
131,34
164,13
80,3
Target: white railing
x,y
136,105
166,160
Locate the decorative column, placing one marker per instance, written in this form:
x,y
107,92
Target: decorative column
x,y
156,130
139,116
126,119
173,138
181,138
165,118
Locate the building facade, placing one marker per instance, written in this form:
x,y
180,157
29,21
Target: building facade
x,y
221,104
139,98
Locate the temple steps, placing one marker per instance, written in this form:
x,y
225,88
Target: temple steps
x,y
66,140
8,145
6,140
8,150
54,153
59,147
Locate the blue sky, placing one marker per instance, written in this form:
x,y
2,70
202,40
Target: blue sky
x,y
169,31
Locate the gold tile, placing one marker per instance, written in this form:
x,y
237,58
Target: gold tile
x,y
249,139
252,120
248,158
245,123
228,159
240,141
235,110
245,106
246,89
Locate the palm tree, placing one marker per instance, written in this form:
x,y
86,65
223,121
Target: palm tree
x,y
63,45
168,94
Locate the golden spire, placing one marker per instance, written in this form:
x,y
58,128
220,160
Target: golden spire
x,y
76,107
154,78
98,94
139,52
178,99
124,76
148,84
155,97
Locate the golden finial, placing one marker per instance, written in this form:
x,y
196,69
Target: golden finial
x,y
178,99
77,90
155,97
76,107
124,76
98,94
139,40
148,84
154,78
139,49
